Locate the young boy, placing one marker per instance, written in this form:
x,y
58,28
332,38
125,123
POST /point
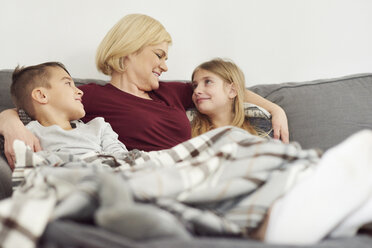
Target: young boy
x,y
48,95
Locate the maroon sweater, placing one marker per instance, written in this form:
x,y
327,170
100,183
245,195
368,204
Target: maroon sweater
x,y
142,124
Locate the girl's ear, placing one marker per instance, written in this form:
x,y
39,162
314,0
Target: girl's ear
x,y
232,91
40,95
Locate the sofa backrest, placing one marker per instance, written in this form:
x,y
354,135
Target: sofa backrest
x,y
6,80
320,113
323,113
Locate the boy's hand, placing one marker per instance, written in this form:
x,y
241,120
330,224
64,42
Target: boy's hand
x,y
12,128
23,134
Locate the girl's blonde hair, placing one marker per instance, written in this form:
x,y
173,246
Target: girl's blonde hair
x,y
129,35
230,73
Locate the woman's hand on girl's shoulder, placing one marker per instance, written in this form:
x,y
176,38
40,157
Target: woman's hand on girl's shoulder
x,y
280,125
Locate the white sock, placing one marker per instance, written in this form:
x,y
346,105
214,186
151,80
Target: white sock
x,y
350,226
24,155
341,183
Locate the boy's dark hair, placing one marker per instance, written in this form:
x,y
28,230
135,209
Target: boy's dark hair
x,y
26,79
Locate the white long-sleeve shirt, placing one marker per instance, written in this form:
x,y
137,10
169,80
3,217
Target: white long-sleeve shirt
x,y
96,135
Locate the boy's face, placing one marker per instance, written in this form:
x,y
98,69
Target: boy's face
x,y
63,96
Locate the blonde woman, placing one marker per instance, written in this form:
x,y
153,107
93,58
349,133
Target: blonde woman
x,y
219,91
146,113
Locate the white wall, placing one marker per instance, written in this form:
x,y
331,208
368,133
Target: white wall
x,y
273,41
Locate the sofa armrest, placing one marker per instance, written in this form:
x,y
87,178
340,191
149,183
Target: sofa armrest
x,y
5,179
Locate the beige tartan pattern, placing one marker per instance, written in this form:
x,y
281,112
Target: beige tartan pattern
x,y
220,183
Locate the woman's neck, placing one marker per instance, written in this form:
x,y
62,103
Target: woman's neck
x,y
124,83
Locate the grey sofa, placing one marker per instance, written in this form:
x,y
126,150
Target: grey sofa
x,y
321,114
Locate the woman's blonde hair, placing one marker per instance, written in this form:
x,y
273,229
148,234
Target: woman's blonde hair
x,y
129,35
230,73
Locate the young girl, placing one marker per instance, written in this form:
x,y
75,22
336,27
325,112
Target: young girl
x,y
219,87
334,198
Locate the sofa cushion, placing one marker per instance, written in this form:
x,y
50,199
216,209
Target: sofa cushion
x,y
322,113
258,117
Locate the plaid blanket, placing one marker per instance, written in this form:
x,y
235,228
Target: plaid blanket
x,y
220,183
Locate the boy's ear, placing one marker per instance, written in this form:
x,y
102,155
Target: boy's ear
x,y
40,95
232,91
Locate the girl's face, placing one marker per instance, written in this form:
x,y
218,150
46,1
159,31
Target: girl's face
x,y
146,66
211,94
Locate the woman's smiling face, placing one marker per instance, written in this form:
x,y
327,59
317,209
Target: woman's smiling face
x,y
144,67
